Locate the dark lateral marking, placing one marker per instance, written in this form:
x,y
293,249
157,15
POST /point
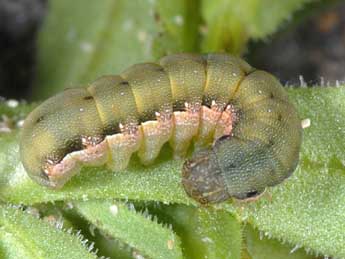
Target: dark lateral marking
x,y
147,116
280,117
44,175
124,83
178,106
224,137
157,17
74,144
271,95
251,194
89,97
160,69
232,165
39,119
270,142
207,101
111,129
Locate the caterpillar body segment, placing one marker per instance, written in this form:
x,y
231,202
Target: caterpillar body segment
x,y
246,133
262,149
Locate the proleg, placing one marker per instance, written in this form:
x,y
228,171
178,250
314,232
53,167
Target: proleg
x,y
245,133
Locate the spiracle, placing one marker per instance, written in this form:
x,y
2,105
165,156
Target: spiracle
x,y
245,133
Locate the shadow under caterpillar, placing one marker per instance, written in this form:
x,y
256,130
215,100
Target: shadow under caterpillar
x,y
247,133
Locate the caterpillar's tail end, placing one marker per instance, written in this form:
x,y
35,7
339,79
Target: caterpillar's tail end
x,y
202,179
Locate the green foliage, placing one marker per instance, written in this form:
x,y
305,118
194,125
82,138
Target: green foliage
x,y
259,247
24,236
154,183
148,237
230,24
99,38
205,232
305,211
80,42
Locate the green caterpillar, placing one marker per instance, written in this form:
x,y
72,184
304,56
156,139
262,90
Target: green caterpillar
x,y
246,133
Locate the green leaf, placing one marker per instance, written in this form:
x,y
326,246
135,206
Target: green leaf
x,y
229,24
205,232
15,110
117,220
67,216
105,37
79,41
323,141
306,210
180,19
259,247
24,236
159,182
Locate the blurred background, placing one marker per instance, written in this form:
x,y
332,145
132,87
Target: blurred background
x,y
46,46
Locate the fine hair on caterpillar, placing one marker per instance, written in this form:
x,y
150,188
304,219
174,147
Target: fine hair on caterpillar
x,y
247,132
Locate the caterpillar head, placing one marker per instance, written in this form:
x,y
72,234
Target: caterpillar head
x,y
230,168
202,178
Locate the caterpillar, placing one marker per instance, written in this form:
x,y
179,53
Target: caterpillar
x,y
245,133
